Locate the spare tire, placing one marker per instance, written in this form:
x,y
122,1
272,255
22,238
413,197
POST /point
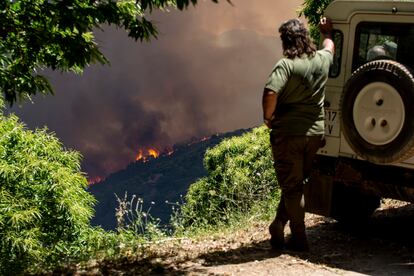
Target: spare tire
x,y
377,112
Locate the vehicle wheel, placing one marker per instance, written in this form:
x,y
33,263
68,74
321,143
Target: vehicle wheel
x,y
350,206
377,112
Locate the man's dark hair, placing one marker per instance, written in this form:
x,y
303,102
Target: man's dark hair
x,y
295,39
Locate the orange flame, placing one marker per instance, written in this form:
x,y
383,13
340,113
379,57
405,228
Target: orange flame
x,y
153,152
139,155
144,154
95,180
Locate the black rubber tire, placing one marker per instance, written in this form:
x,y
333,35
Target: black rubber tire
x,y
401,79
352,207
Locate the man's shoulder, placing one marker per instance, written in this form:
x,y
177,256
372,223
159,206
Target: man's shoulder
x,y
284,61
283,65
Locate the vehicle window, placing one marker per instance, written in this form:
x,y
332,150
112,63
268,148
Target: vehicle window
x,y
383,41
335,69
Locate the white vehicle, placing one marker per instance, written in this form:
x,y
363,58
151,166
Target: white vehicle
x,y
369,151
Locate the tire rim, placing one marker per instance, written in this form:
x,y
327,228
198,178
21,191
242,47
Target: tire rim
x,y
378,113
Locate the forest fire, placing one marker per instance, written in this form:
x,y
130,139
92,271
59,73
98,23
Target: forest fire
x,y
144,154
95,180
153,152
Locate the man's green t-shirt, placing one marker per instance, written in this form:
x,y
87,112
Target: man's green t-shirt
x,y
300,85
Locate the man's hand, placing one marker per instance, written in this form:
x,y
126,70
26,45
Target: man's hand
x,y
325,26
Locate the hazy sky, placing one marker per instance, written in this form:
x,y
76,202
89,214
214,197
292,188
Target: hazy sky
x,y
204,74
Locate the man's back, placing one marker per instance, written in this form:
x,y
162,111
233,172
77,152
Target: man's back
x,y
300,83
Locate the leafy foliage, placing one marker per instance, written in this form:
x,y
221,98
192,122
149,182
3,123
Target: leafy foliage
x,y
313,10
240,176
38,34
43,202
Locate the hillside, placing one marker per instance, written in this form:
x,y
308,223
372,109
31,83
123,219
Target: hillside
x,y
157,180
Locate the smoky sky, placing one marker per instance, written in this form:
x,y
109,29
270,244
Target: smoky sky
x,y
203,75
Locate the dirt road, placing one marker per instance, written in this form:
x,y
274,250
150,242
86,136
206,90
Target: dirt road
x,y
385,246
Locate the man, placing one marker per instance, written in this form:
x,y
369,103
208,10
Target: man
x,y
293,108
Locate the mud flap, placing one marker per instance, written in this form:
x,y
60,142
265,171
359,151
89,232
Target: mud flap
x,y
318,194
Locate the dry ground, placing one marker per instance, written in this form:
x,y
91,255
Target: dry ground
x,y
385,246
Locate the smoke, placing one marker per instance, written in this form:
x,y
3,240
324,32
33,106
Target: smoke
x,y
204,74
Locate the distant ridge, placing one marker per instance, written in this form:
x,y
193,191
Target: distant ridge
x,y
157,180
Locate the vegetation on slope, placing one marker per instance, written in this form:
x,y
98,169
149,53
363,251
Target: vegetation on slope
x,y
240,180
160,182
43,203
45,209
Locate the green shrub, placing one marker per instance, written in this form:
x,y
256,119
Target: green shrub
x,y
240,176
43,203
313,10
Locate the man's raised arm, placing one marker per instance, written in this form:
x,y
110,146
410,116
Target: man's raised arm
x,y
325,27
